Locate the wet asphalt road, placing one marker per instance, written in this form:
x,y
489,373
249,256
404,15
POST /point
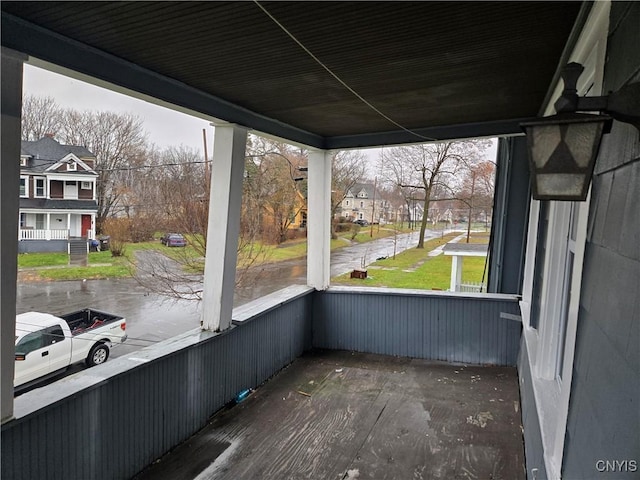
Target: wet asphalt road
x,y
152,318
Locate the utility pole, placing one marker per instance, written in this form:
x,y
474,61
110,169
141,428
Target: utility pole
x,y
373,210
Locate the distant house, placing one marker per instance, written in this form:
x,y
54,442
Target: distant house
x,y
57,195
358,203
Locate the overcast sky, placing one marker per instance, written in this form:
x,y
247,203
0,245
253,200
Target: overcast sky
x,y
165,127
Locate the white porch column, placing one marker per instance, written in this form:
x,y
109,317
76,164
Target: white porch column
x,y
456,272
69,225
319,220
47,235
11,107
225,198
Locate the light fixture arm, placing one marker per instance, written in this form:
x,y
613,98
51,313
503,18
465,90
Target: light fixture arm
x,y
622,105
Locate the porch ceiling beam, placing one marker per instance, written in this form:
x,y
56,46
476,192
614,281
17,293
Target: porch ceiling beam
x,y
84,62
112,71
498,128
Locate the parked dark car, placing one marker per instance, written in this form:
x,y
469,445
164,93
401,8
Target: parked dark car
x,y
361,222
173,240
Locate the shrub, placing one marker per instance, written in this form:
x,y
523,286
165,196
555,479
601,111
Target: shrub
x,y
119,229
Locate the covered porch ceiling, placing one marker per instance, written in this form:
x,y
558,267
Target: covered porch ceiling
x,y
323,74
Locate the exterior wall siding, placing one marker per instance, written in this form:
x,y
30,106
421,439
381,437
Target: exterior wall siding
x,y
453,328
533,448
604,413
35,246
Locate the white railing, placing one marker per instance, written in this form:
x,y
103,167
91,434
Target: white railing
x,y
471,287
30,234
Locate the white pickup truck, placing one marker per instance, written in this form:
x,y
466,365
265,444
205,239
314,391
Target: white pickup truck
x,y
46,344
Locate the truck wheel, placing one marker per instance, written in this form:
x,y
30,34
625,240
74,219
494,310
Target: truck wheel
x,y
98,354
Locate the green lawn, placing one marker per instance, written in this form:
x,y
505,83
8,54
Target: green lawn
x,y
31,260
425,272
413,268
90,272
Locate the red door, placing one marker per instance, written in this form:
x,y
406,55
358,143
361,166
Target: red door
x,y
86,224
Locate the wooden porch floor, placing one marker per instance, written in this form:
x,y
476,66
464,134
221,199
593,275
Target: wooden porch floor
x,y
341,415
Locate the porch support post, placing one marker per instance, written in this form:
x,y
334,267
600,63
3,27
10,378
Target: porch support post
x,y
225,199
456,272
68,225
319,220
11,108
47,234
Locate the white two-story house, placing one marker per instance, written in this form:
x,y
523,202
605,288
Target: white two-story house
x,y
57,195
358,203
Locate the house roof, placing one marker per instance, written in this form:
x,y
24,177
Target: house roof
x,y
46,151
367,187
381,72
49,204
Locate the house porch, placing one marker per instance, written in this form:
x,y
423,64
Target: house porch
x,y
139,406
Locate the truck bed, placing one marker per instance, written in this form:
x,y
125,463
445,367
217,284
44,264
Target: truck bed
x,y
87,319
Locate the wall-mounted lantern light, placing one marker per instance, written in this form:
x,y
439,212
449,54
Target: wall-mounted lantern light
x,y
563,148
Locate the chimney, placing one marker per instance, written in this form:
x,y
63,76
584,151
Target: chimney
x,y
49,135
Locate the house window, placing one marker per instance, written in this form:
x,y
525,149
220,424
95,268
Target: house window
x,y
39,221
347,203
39,187
23,220
536,294
361,204
72,166
85,185
24,186
23,161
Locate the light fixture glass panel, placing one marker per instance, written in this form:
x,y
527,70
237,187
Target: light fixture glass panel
x,y
557,184
545,139
580,139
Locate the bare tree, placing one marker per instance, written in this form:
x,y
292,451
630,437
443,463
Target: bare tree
x,y
425,168
272,186
118,140
348,168
476,190
40,116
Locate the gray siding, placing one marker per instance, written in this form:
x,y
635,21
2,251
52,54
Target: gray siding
x,y
449,327
604,413
141,408
34,246
533,448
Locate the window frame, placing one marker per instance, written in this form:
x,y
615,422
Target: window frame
x,y
35,187
26,186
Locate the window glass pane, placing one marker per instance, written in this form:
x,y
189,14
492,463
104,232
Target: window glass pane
x,y
54,335
29,343
23,187
40,187
562,327
574,221
543,225
39,221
